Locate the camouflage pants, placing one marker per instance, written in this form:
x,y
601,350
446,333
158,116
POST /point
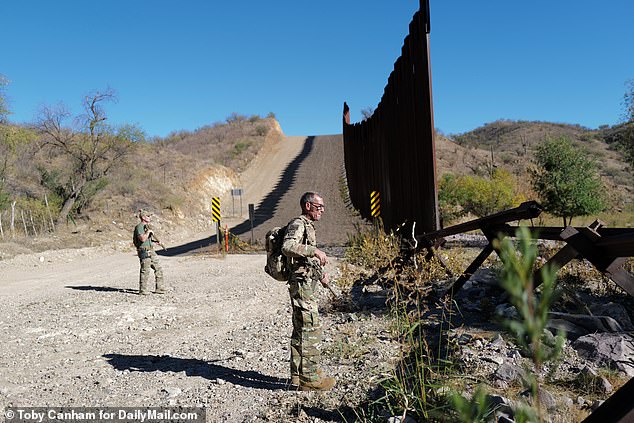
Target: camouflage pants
x,y
150,261
306,336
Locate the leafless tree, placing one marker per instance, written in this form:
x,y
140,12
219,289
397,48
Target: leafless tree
x,y
91,146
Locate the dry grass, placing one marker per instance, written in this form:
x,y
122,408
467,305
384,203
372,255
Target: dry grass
x,y
164,175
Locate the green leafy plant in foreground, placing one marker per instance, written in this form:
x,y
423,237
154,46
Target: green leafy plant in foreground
x,y
529,330
477,409
408,391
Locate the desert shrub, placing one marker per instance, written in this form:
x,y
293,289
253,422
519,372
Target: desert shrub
x,y
128,186
235,118
371,247
481,196
5,197
450,198
507,158
34,205
478,408
240,147
261,130
60,187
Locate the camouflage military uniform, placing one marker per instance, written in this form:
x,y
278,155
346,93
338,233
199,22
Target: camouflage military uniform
x,y
149,260
300,245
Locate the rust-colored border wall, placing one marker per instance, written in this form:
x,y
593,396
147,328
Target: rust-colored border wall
x,y
393,151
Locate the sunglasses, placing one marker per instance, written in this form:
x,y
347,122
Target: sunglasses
x,y
318,206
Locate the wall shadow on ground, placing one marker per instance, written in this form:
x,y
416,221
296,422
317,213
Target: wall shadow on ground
x,y
198,245
195,367
266,209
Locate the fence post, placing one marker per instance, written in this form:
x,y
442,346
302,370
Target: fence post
x,y
13,220
49,212
26,233
32,223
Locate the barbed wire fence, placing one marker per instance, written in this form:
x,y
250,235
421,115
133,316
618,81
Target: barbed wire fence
x,y
23,222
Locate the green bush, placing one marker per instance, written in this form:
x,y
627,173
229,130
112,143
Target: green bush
x,y
481,196
566,180
240,147
5,198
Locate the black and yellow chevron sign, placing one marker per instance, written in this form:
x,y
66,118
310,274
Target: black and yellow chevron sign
x,y
375,204
215,209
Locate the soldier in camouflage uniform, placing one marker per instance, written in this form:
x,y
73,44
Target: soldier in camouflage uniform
x,y
306,264
143,241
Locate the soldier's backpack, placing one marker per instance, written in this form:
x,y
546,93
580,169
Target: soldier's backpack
x,y
276,263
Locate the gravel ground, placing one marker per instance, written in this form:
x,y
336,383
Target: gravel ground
x,y
74,333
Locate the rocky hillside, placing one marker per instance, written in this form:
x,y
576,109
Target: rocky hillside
x,y
511,144
176,176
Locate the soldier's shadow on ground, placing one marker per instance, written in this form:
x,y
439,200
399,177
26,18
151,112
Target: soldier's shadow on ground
x,y
102,289
195,367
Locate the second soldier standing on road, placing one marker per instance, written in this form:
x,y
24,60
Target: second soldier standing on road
x,y
144,241
307,269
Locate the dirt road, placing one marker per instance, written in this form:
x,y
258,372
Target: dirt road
x,y
274,183
75,333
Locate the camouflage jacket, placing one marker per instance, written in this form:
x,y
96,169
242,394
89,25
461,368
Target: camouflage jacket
x,y
300,243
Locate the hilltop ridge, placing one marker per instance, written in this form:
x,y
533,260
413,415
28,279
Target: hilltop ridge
x,y
176,177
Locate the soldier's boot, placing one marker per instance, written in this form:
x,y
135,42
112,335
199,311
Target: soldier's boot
x,y
321,384
160,285
143,289
295,378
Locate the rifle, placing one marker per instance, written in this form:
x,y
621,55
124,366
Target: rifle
x,y
329,288
331,291
153,237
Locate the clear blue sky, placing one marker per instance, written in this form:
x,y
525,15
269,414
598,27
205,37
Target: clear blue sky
x,y
183,65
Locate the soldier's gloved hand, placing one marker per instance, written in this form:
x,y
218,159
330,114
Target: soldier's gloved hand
x,y
323,260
